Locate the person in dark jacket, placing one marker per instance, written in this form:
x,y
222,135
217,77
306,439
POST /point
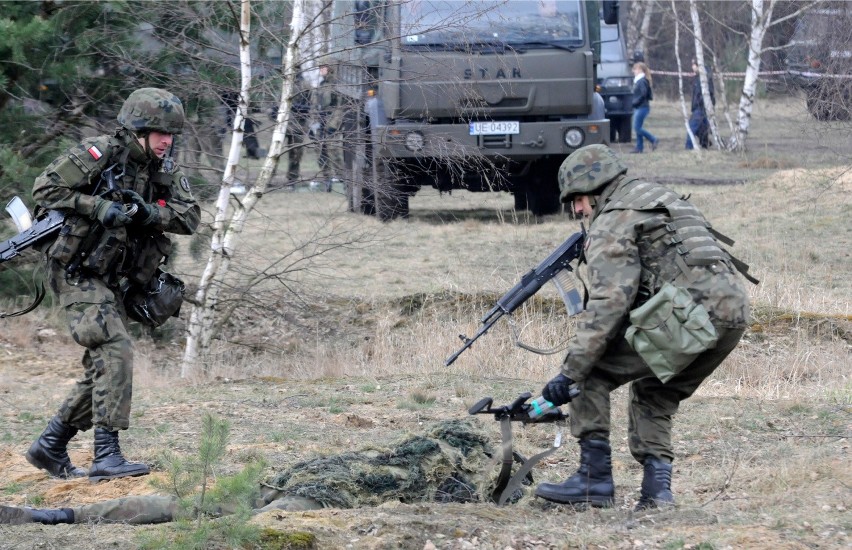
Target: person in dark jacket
x,y
698,122
642,96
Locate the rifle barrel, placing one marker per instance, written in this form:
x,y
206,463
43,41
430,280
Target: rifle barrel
x,y
469,342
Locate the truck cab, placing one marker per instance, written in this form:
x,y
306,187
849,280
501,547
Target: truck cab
x,y
483,96
615,83
819,60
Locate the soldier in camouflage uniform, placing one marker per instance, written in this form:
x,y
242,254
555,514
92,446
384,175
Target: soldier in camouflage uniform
x,y
297,128
641,235
112,240
330,112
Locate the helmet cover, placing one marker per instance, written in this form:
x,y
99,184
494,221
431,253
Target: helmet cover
x,y
588,169
152,109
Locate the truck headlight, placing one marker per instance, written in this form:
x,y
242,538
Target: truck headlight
x,y
414,141
574,137
618,82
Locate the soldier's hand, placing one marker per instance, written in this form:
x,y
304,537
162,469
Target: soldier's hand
x,y
146,214
111,214
560,390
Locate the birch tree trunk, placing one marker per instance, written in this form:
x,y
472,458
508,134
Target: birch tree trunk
x,y
709,108
696,146
223,246
761,19
645,28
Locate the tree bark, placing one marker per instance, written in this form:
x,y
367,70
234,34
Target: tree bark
x,y
696,146
202,323
761,19
709,108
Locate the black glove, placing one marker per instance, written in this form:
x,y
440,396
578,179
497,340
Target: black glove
x,y
111,214
560,390
146,214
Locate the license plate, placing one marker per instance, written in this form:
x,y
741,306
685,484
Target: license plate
x,y
495,127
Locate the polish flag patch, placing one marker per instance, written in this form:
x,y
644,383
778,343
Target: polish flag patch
x,y
95,152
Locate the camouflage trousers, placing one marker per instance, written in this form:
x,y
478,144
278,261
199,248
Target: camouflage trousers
x,y
142,510
297,130
96,319
652,403
330,154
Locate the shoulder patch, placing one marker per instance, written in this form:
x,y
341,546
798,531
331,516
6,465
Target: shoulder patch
x,y
184,183
95,152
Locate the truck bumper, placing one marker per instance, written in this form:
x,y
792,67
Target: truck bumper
x,y
618,104
408,140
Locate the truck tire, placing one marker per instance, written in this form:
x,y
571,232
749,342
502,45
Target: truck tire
x,y
542,189
390,199
543,200
520,196
828,102
625,129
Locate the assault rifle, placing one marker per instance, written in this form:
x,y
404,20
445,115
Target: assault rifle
x,y
555,267
539,411
45,227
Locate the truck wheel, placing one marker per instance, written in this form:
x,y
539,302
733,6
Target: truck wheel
x,y
827,102
390,198
625,129
543,201
520,196
542,190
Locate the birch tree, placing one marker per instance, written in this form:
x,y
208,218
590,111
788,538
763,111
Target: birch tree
x,y
696,146
201,326
709,108
761,18
639,25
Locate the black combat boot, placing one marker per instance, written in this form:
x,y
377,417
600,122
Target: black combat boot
x,y
592,484
656,485
109,463
49,452
51,516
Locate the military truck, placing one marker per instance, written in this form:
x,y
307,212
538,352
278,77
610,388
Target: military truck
x,y
819,60
483,96
615,83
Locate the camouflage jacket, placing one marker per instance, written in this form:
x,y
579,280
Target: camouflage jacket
x,y
641,236
73,184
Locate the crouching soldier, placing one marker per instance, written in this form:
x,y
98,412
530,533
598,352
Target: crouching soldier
x,y
648,251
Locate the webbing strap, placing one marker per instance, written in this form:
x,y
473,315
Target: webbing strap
x,y
515,483
720,236
508,459
40,293
742,267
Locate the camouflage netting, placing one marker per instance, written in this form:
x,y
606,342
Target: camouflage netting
x,y
452,464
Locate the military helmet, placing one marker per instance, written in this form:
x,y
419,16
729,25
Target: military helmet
x,y
588,169
152,109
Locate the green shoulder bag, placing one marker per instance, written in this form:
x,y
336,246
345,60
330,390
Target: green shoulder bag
x,y
670,330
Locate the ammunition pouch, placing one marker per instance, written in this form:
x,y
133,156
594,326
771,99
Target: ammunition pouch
x,y
69,239
149,251
156,301
669,331
88,246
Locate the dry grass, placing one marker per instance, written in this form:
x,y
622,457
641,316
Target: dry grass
x,y
357,357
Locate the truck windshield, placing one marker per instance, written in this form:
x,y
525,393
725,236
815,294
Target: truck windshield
x,y
612,50
517,22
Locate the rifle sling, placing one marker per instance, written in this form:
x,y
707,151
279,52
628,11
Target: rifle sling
x,y
517,479
39,296
508,459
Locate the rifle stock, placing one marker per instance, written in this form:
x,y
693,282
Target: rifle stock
x,y
43,229
532,281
